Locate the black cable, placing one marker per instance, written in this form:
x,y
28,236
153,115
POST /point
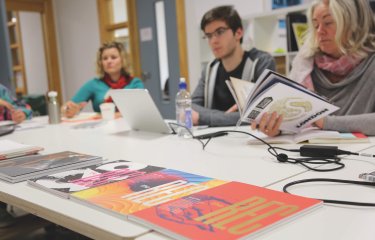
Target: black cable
x,y
173,125
363,204
282,157
172,128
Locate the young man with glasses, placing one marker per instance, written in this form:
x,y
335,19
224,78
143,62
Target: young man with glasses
x,y
213,103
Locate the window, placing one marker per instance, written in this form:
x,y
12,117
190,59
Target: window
x,y
118,23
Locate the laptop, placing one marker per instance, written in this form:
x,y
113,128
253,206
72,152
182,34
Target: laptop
x,y
139,110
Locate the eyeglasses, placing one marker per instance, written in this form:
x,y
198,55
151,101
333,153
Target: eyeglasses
x,y
217,33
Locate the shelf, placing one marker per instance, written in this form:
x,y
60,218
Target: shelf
x,y
14,46
267,31
17,68
12,24
20,90
280,11
284,54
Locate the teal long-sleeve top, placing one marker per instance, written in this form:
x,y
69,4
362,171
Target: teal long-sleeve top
x,y
6,95
97,90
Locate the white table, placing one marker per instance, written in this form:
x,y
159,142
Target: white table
x,y
333,221
227,158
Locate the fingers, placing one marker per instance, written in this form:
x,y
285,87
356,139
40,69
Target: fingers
x,y
118,115
269,124
195,117
278,123
234,108
319,123
254,125
70,109
82,104
6,104
18,116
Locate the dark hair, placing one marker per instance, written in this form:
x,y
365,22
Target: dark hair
x,y
223,13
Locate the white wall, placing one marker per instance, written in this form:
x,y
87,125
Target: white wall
x,y
78,41
194,12
33,52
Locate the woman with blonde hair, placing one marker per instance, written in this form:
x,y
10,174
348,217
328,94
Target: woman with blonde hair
x,y
112,74
337,61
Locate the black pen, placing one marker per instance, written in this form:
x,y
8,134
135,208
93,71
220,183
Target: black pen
x,y
211,135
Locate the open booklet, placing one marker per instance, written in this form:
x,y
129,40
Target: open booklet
x,y
314,135
239,89
10,149
273,92
82,117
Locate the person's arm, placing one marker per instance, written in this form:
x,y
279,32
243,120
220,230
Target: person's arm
x,y
84,94
70,109
78,101
215,118
18,116
364,123
265,61
197,99
19,111
198,94
209,116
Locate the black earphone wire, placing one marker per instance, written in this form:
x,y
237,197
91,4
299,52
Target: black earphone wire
x,y
282,157
362,204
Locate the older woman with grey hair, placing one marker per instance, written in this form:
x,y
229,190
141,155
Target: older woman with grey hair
x,y
337,61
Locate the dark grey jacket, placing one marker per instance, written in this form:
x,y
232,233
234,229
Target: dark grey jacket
x,y
202,97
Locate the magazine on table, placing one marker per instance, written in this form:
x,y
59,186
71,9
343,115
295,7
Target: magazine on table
x,y
314,135
128,196
24,168
10,149
232,210
67,182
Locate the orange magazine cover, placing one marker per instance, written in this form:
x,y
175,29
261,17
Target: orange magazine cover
x,y
131,195
231,211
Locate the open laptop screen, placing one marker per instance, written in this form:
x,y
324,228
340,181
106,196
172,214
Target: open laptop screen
x,y
139,110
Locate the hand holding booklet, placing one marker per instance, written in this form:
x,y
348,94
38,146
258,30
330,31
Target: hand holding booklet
x,y
273,92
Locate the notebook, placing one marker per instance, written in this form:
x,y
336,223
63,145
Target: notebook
x,y
139,110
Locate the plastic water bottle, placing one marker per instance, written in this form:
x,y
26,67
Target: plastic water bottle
x,y
183,110
53,108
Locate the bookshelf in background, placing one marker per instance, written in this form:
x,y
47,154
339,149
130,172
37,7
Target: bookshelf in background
x,y
18,66
265,32
284,3
280,63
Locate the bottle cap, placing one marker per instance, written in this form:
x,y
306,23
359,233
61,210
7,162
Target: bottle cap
x,y
182,84
52,94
